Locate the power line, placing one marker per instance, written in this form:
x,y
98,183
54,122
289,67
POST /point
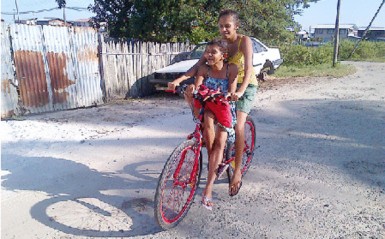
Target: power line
x,y
46,10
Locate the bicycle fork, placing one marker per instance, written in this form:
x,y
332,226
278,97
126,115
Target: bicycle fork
x,y
196,148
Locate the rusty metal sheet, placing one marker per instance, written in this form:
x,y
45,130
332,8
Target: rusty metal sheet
x,y
9,96
85,41
61,67
31,68
73,66
56,68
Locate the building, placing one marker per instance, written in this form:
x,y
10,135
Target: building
x,y
56,22
325,32
53,22
373,34
81,23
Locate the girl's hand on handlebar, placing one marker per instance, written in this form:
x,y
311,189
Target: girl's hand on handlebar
x,y
190,90
171,86
236,96
228,96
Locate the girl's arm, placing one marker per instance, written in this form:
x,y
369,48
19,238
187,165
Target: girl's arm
x,y
191,88
247,50
201,73
190,73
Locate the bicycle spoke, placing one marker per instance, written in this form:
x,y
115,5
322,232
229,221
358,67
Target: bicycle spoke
x,y
178,183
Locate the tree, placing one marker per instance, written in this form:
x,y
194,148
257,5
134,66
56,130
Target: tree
x,y
157,20
182,20
269,20
61,3
114,12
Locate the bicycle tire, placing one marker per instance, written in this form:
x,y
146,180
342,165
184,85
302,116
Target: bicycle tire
x,y
174,197
248,152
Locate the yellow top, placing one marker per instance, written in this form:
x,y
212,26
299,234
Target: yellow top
x,y
239,60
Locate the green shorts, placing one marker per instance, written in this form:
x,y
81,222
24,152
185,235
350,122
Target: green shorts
x,y
246,102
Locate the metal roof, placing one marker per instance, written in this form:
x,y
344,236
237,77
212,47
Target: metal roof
x,y
372,28
332,26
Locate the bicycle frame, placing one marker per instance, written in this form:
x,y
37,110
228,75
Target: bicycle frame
x,y
197,147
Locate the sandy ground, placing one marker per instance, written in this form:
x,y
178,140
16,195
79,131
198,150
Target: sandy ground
x,y
318,171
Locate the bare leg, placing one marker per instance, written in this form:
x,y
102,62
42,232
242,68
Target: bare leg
x,y
214,160
239,146
209,131
188,97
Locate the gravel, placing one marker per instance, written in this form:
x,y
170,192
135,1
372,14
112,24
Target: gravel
x,y
318,170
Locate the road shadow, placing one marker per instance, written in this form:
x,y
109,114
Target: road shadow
x,y
338,134
82,201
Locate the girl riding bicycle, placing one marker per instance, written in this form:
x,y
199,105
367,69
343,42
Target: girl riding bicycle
x,y
239,50
216,76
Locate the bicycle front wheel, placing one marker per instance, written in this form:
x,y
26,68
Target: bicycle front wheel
x,y
177,184
248,150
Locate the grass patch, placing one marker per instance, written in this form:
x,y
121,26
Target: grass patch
x,y
321,70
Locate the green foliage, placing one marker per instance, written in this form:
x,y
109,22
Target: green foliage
x,y
61,3
299,55
182,20
302,56
158,20
320,70
345,49
369,51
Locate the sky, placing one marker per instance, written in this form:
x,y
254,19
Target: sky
x,y
9,6
359,12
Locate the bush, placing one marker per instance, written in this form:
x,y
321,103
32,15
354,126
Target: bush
x,y
299,55
366,50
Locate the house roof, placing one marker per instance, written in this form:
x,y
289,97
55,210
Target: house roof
x,y
332,26
302,32
372,28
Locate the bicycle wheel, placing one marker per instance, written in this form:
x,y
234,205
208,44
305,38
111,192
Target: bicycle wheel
x,y
177,184
248,151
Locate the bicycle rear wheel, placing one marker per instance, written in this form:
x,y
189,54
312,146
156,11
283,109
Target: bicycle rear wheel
x,y
177,184
248,151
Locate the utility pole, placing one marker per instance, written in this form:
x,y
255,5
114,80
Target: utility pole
x,y
336,34
64,16
17,11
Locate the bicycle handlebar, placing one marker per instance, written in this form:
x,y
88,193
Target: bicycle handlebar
x,y
182,88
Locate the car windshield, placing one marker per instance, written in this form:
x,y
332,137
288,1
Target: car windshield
x,y
197,52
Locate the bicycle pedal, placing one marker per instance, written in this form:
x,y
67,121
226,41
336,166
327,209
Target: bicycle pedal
x,y
221,169
190,136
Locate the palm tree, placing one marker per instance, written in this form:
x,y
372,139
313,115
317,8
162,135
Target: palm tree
x,y
61,3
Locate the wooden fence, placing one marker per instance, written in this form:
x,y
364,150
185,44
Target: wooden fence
x,y
129,65
49,68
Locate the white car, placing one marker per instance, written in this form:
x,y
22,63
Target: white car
x,y
264,57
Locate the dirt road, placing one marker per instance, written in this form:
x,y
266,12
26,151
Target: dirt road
x,y
318,172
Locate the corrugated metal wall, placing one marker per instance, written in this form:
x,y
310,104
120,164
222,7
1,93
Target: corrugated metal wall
x,y
49,68
9,95
56,68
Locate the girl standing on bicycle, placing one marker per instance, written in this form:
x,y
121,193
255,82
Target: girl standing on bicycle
x,y
213,77
240,52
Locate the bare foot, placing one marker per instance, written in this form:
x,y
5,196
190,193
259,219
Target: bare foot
x,y
236,183
207,200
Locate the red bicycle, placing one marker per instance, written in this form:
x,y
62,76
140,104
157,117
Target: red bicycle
x,y
180,177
